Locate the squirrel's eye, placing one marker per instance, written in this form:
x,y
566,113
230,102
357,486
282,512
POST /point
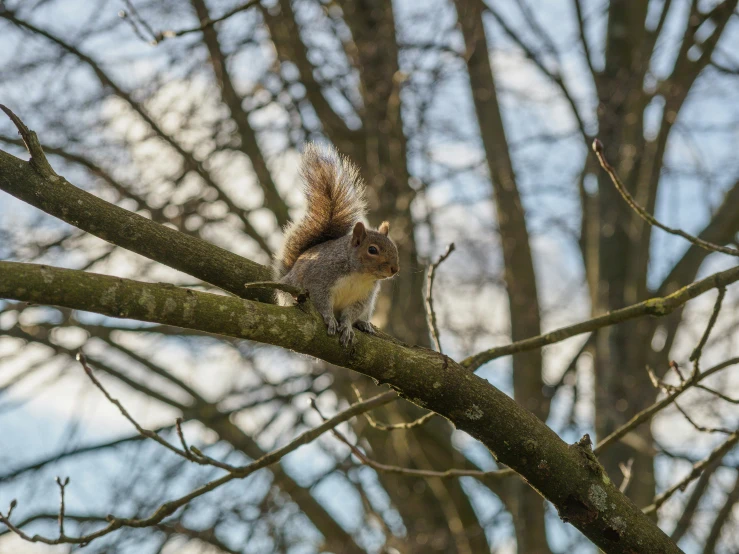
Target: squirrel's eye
x,y
372,250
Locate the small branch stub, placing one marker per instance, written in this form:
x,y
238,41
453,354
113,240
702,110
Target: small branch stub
x,y
62,485
38,158
300,295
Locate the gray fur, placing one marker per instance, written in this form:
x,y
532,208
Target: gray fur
x,y
347,267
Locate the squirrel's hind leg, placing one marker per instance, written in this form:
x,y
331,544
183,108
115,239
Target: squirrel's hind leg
x,y
349,316
362,323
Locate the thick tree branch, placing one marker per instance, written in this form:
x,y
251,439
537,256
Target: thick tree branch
x,y
216,419
567,475
157,213
57,197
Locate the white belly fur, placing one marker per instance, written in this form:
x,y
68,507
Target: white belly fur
x,y
350,289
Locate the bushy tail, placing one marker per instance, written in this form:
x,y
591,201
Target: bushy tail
x,y
335,201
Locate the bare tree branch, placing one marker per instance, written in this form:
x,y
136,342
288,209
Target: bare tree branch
x,y
205,23
724,515
519,440
56,196
647,413
653,307
168,508
448,474
649,218
430,313
694,473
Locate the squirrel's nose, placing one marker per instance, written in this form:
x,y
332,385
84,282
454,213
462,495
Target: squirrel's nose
x,y
393,270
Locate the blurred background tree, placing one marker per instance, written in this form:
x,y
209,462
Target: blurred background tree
x,y
471,122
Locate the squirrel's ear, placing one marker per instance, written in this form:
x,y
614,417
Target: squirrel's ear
x,y
359,234
384,228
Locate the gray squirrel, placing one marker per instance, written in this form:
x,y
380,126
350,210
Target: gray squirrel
x,y
330,252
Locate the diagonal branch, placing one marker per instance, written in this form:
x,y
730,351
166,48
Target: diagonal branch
x,y
518,439
686,518
654,307
58,197
645,215
584,39
694,473
217,420
553,75
647,413
289,45
38,158
190,162
724,515
233,101
447,474
205,23
168,508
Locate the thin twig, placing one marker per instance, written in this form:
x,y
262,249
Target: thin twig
x,y
392,426
430,313
82,359
647,413
62,486
702,428
686,517
626,470
694,473
696,354
168,508
181,435
551,390
676,368
723,516
13,504
135,20
448,474
584,38
645,215
205,24
721,395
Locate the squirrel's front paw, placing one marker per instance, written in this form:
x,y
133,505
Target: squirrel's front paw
x,y
331,325
365,326
347,334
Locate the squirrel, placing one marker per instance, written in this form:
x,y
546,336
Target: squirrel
x,y
330,252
